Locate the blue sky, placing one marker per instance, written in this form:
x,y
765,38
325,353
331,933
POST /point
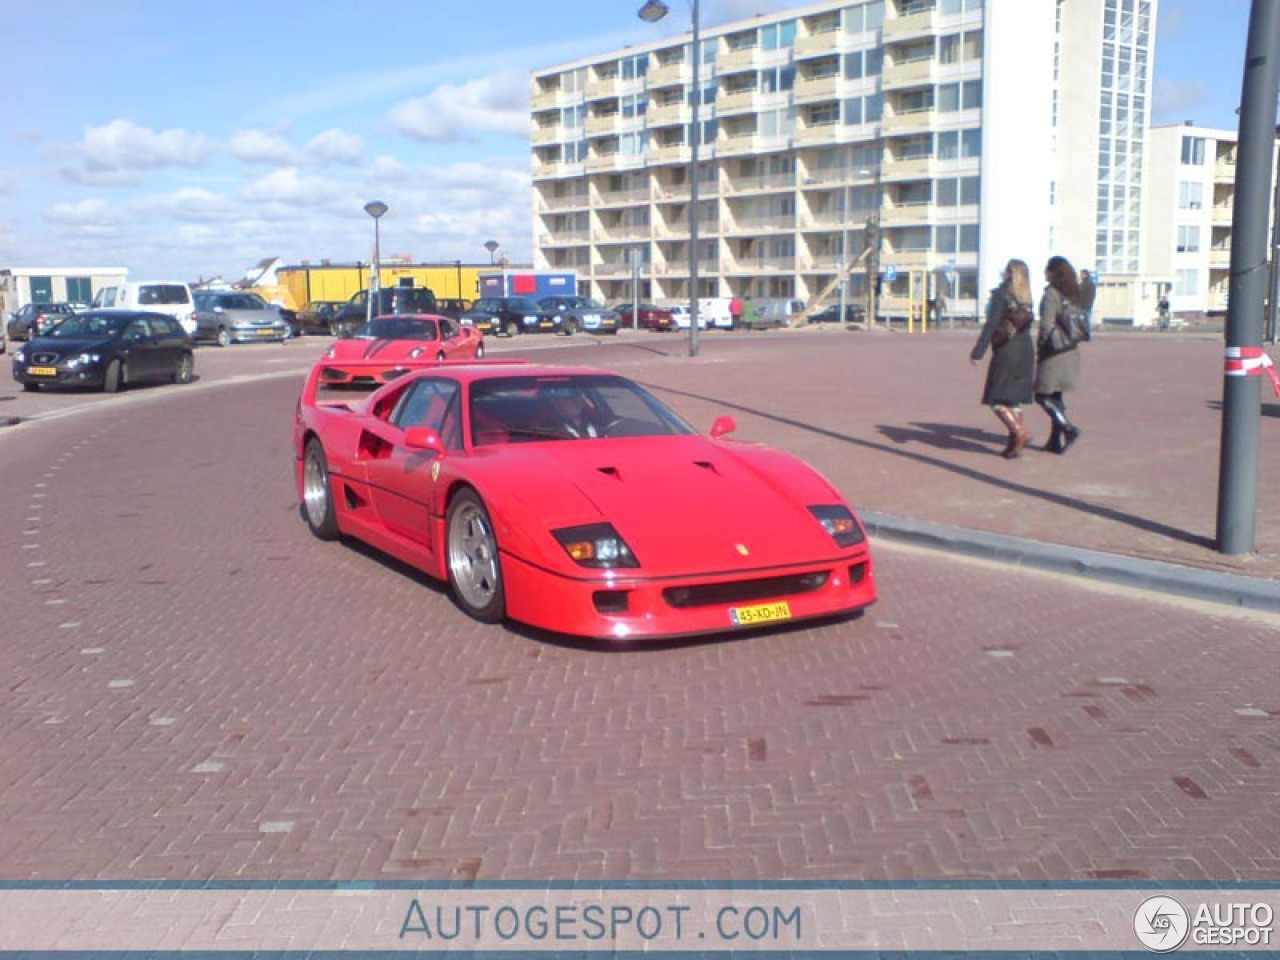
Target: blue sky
x,y
185,139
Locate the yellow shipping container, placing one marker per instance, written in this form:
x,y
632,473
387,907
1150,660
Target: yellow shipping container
x,y
303,284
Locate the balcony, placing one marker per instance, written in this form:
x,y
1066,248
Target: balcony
x,y
565,238
570,202
907,215
760,183
1221,214
622,198
551,133
603,126
809,89
895,29
678,153
557,171
916,168
757,224
669,114
913,73
670,75
820,44
747,101
736,61
916,121
1220,259
553,99
819,134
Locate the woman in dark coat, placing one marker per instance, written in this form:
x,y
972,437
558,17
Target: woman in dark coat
x,y
1011,373
1056,373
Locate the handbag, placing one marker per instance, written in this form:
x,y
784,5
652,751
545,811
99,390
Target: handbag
x,y
1016,319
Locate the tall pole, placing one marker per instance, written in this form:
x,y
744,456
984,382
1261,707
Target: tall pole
x,y
1241,388
693,183
844,252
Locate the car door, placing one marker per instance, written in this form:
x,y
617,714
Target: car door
x,y
401,478
168,336
138,347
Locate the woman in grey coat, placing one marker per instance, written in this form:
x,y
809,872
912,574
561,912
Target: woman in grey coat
x,y
1012,368
1057,373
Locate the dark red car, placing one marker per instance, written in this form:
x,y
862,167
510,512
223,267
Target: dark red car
x,y
651,317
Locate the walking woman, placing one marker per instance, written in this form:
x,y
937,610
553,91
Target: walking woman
x,y
1011,372
1057,371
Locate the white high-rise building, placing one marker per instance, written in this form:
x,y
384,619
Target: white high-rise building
x,y
922,141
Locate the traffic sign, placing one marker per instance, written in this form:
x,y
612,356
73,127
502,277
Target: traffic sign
x,y
890,273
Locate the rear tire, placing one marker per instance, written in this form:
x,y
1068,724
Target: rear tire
x,y
475,569
512,328
224,337
479,351
317,493
185,370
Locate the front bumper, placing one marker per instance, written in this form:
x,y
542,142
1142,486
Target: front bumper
x,y
259,334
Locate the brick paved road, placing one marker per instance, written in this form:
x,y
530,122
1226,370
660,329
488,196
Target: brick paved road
x,y
197,688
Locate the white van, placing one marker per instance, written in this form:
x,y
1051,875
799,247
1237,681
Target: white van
x,y
158,296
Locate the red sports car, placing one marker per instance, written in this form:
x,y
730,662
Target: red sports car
x,y
574,501
389,346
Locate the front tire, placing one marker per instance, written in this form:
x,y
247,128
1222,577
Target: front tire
x,y
512,328
114,379
185,370
475,571
224,337
317,493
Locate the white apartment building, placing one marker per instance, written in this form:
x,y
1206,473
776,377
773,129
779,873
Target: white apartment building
x,y
922,141
1191,174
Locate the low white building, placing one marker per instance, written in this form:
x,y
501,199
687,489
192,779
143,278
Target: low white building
x,y
22,285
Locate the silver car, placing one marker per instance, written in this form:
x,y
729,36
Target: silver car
x,y
232,316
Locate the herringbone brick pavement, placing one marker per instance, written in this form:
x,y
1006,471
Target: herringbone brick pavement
x,y
194,687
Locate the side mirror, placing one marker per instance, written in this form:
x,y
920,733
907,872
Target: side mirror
x,y
424,438
723,425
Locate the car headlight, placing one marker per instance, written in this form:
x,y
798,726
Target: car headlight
x,y
83,360
596,545
20,355
840,523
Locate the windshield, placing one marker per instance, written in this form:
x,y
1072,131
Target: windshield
x,y
519,409
89,325
397,328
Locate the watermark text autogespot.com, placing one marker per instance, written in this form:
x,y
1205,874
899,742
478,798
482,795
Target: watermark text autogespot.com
x,y
781,926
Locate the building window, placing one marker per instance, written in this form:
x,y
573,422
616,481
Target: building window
x,y
960,47
776,36
823,115
777,80
951,7
79,290
634,105
865,18
863,63
634,68
777,123
1190,195
859,110
955,144
1187,283
1188,239
1193,151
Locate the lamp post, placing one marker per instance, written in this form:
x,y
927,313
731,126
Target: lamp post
x,y
376,209
492,247
652,12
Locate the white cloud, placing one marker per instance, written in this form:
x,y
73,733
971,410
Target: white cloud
x,y
8,183
336,146
257,146
1170,100
453,113
289,187
87,213
192,204
123,145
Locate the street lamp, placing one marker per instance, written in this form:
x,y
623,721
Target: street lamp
x,y
492,247
652,12
376,209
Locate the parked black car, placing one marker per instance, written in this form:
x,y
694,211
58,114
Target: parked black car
x,y
389,300
452,307
853,313
108,349
317,316
35,318
511,316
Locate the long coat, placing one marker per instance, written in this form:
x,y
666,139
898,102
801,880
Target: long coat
x,y
1011,372
1059,372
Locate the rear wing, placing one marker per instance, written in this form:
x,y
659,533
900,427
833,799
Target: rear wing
x,y
318,390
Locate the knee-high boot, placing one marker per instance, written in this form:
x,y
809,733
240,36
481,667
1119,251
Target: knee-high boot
x,y
1056,418
1005,416
1070,432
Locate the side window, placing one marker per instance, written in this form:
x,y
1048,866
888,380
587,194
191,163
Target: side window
x,y
162,327
431,403
448,328
137,330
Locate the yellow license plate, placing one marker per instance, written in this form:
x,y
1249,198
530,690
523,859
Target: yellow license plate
x,y
266,333
43,371
761,613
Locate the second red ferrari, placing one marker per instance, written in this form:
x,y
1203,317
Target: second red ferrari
x,y
389,346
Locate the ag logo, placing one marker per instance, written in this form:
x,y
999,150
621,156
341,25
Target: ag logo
x,y
1161,924
435,470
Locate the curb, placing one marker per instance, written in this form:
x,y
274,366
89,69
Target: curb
x,y
1153,575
